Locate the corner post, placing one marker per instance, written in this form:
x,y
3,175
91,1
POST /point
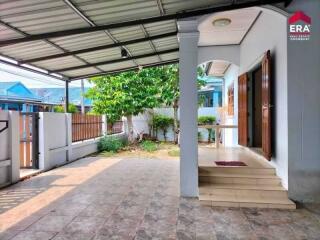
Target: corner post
x,y
188,36
66,96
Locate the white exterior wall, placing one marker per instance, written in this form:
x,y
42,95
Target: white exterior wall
x,y
9,149
270,33
140,122
304,108
231,77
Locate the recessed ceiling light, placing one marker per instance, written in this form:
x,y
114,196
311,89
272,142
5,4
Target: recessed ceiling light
x,y
221,22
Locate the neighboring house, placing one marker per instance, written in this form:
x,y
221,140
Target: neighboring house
x,y
16,96
210,95
57,96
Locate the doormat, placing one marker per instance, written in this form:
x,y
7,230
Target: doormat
x,y
231,163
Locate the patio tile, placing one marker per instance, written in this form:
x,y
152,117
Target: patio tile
x,y
84,225
51,223
30,235
138,198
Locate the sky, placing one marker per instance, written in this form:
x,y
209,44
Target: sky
x,y
10,73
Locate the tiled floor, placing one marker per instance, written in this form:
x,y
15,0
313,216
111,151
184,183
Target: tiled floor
x,y
133,198
209,154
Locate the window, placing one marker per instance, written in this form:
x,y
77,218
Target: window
x,y
231,100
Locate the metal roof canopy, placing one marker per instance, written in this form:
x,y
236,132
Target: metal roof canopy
x,y
82,38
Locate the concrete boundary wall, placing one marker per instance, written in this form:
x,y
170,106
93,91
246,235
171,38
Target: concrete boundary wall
x,y
55,141
9,148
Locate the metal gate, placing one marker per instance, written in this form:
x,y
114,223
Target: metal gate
x,y
29,140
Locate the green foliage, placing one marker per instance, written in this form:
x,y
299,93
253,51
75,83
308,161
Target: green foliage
x,y
162,122
149,146
127,93
204,120
207,120
71,109
110,144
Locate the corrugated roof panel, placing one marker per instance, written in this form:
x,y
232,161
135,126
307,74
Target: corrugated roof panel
x,y
101,55
165,43
29,50
147,60
103,12
140,48
40,16
59,63
80,72
116,66
127,33
160,27
6,33
169,56
173,6
82,41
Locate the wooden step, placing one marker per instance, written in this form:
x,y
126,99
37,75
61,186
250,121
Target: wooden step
x,y
240,179
246,201
236,170
242,190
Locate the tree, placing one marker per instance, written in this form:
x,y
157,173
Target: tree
x,y
71,108
126,94
170,91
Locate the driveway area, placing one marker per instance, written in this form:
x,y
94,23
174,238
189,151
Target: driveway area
x,y
133,197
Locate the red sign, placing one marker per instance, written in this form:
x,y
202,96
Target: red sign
x,y
299,26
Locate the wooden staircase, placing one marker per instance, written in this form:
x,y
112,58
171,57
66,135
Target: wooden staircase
x,y
242,187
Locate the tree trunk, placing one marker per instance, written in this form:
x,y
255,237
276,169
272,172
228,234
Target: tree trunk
x,y
130,129
175,121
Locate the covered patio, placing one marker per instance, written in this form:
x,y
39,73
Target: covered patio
x,y
133,197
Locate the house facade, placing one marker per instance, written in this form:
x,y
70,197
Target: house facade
x,y
266,62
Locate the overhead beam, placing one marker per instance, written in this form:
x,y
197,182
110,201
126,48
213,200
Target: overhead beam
x,y
117,60
160,6
179,15
107,46
173,61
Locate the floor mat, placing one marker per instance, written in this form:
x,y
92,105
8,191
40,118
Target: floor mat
x,y
231,163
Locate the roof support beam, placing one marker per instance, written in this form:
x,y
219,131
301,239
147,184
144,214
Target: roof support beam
x,y
126,69
160,6
85,18
107,46
179,15
118,60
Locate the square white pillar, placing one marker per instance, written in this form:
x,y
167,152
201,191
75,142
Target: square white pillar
x,y
188,54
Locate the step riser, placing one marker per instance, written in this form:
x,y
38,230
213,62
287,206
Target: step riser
x,y
245,192
247,205
240,180
231,170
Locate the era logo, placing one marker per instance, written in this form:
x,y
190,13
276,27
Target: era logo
x,y
300,29
299,26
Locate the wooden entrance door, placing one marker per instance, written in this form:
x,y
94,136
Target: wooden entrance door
x,y
243,109
266,105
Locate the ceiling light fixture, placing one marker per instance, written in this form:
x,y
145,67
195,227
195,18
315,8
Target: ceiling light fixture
x,y
124,53
221,22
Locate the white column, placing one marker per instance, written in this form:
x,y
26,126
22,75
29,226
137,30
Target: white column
x,y
69,136
44,157
14,145
188,53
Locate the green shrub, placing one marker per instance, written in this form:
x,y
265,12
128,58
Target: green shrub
x,y
110,144
71,109
162,122
203,120
207,120
149,146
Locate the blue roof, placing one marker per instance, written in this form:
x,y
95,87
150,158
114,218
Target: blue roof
x,y
16,90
